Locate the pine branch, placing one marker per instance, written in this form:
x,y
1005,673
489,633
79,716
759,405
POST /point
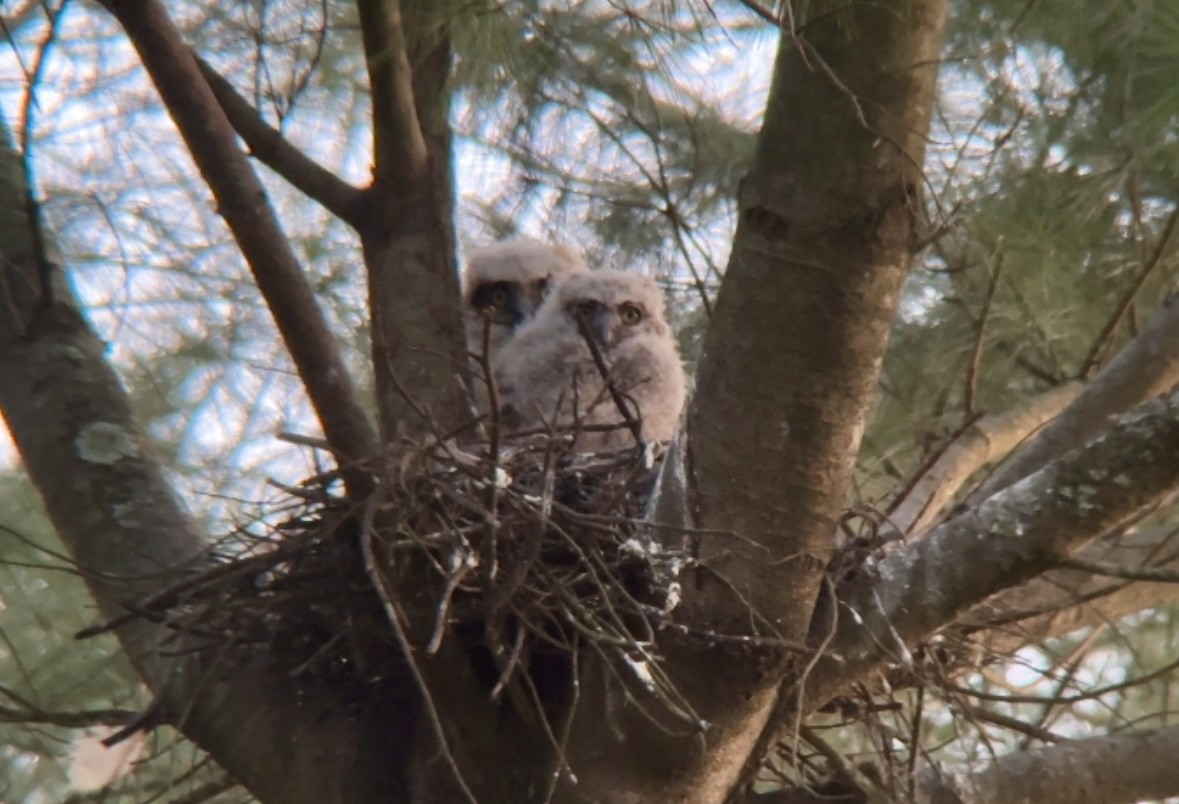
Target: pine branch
x,y
242,202
1097,770
1006,541
988,439
268,145
1146,367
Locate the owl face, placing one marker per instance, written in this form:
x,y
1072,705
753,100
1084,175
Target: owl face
x,y
611,306
504,285
507,303
607,324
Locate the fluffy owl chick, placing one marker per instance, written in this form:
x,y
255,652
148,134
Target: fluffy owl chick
x,y
549,375
503,286
505,283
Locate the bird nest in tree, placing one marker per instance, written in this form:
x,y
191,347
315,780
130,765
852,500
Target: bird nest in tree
x,y
521,557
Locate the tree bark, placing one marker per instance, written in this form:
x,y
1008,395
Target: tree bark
x,y
789,369
1006,541
130,537
1100,770
419,351
791,359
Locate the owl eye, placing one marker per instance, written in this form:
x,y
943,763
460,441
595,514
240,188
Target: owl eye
x,y
630,314
498,298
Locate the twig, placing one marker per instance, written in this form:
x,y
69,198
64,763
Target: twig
x,y
241,199
971,384
1105,337
620,401
276,152
869,788
394,616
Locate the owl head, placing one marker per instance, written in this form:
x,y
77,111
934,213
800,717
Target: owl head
x,y
505,283
610,306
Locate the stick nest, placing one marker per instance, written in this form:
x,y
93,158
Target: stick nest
x,y
532,553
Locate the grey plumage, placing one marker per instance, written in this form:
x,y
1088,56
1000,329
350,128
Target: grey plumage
x,y
503,286
549,377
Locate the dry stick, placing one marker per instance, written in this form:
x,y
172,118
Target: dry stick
x,y
1072,666
1066,700
394,615
915,742
869,788
1105,337
271,148
971,384
241,200
1014,724
490,541
635,425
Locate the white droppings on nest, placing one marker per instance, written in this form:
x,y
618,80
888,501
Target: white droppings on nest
x,y
650,451
642,671
674,596
502,479
633,547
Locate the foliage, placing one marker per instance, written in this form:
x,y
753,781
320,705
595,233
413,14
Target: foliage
x,y
624,129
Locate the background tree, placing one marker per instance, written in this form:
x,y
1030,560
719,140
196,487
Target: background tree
x,y
997,624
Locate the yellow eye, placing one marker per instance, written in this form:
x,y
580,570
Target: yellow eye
x,y
630,314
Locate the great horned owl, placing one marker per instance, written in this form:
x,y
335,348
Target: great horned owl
x,y
550,377
503,287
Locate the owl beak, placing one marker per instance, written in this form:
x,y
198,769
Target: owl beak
x,y
602,327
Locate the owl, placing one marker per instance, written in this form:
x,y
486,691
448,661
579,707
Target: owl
x,y
503,287
550,377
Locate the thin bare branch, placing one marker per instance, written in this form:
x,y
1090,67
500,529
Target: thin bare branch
x,y
1124,304
272,149
242,202
971,383
1100,770
1146,367
1108,570
988,439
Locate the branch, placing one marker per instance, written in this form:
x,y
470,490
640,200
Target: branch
x,y
129,535
398,143
1145,368
788,373
419,348
986,440
1098,770
242,202
1063,601
276,152
804,311
1006,541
